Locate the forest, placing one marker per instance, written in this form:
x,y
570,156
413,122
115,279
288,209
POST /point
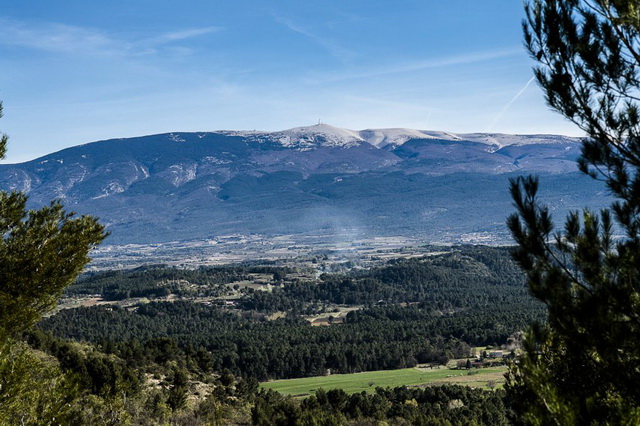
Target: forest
x,y
164,341
412,311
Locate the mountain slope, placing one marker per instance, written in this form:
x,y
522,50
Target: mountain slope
x,y
316,179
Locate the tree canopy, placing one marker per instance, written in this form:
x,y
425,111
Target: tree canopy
x,y
41,252
582,367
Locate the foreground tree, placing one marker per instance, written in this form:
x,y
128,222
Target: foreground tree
x,y
584,366
41,252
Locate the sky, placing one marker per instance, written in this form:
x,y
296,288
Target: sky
x,y
74,72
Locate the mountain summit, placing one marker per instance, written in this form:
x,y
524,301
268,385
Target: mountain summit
x,y
323,134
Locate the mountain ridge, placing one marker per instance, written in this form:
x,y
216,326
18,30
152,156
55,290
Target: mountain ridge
x,y
185,185
397,136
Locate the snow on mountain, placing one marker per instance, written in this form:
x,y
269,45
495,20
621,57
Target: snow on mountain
x,y
319,134
325,135
502,140
382,137
304,138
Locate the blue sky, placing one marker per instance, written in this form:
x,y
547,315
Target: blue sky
x,y
78,71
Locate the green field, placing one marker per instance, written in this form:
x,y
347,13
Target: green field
x,y
368,381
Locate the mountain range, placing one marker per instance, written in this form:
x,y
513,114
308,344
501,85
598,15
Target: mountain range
x,y
320,179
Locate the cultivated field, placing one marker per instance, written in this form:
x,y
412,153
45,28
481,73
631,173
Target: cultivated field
x,y
486,378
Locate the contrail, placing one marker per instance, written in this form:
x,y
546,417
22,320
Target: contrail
x,y
506,107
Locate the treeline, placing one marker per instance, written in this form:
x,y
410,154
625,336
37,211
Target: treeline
x,y
159,386
282,348
374,339
437,405
462,277
465,277
161,281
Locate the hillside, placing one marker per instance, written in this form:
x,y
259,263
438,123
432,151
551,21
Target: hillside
x,y
436,186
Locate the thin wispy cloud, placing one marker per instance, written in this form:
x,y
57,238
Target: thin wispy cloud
x,y
407,67
182,35
68,39
335,49
56,38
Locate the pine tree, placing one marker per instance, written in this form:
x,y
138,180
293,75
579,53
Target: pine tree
x,y
41,252
583,366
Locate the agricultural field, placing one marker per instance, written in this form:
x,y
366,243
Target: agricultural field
x,y
486,378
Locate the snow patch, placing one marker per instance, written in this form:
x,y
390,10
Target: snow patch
x,y
22,182
176,138
181,174
143,169
77,176
52,159
112,188
215,160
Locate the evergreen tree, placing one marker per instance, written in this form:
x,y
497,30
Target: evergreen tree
x,y
41,252
582,366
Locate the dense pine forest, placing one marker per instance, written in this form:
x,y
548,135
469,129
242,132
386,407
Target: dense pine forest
x,y
187,343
